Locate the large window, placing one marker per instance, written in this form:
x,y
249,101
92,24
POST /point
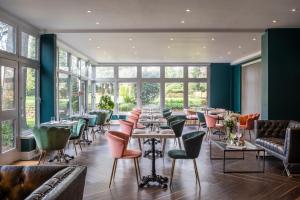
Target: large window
x,y
197,94
197,72
150,94
127,96
104,72
63,96
174,72
75,94
29,46
102,89
89,95
151,72
7,133
74,65
174,96
7,86
63,60
7,38
29,108
83,68
128,72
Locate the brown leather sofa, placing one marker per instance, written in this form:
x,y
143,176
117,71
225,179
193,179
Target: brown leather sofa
x,y
280,138
42,182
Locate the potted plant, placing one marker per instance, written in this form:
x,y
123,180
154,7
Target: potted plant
x,y
106,103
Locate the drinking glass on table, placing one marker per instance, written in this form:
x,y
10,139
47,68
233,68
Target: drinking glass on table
x,y
239,135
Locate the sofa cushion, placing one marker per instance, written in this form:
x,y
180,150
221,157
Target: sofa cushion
x,y
294,124
271,143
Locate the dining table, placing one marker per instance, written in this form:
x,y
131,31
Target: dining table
x,y
61,124
152,135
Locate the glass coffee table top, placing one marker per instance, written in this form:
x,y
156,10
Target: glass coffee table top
x,y
247,146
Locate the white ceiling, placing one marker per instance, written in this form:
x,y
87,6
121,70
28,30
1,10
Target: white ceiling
x,y
151,24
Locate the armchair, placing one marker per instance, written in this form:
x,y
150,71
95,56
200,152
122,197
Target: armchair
x,y
247,122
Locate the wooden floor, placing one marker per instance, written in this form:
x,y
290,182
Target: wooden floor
x,y
214,184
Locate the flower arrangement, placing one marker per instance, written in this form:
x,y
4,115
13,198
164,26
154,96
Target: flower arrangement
x,y
230,122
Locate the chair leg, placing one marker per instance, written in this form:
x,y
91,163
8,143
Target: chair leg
x,y
138,168
196,171
172,171
179,142
250,135
74,144
136,172
44,157
286,168
140,144
40,158
112,172
78,141
164,146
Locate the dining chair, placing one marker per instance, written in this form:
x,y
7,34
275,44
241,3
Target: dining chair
x,y
166,110
108,119
76,134
117,142
177,126
126,126
133,118
51,139
167,114
192,144
91,125
201,120
211,123
169,120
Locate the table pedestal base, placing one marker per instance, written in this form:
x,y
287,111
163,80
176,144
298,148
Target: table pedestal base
x,y
162,181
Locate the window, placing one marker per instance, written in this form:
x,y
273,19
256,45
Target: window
x,y
90,95
75,95
63,96
128,72
7,38
197,94
150,94
28,110
174,72
63,60
103,89
7,87
7,133
29,46
151,72
174,96
74,65
197,72
127,96
83,68
104,72
90,71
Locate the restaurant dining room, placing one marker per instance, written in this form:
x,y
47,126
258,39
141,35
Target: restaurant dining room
x,y
164,100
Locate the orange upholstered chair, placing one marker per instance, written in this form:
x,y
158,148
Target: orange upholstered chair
x,y
247,122
117,142
211,123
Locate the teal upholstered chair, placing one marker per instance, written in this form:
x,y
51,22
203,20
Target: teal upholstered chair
x,y
108,119
177,127
91,125
167,114
201,120
169,120
76,133
51,139
101,119
166,110
192,144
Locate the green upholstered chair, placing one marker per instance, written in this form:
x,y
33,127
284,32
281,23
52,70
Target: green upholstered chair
x,y
51,139
177,126
76,133
167,114
101,119
108,119
91,125
166,110
169,120
192,144
201,120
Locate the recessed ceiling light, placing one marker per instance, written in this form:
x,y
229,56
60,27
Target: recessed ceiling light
x,y
188,10
229,52
88,11
239,46
204,47
169,47
274,21
133,47
213,39
130,39
97,23
171,39
90,39
293,10
254,39
98,47
182,21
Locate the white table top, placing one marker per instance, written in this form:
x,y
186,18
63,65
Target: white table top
x,y
64,123
143,133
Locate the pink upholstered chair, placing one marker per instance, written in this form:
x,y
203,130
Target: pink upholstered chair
x,y
211,123
126,126
133,118
117,142
137,110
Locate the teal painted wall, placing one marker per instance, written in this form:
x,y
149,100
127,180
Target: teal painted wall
x,y
281,74
47,76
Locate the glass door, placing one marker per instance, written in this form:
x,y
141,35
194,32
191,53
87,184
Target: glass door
x,y
8,108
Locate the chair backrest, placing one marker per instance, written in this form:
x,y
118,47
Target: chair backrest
x,y
92,121
192,143
201,117
117,142
177,127
171,119
166,110
109,116
126,126
101,117
78,129
51,138
133,119
167,114
210,121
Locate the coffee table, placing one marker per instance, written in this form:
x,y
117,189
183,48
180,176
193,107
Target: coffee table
x,y
249,147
